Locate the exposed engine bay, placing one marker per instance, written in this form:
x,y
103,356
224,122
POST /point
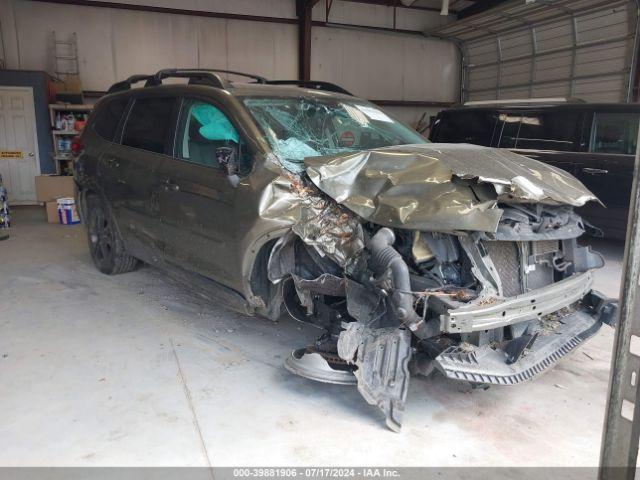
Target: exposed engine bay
x,y
492,306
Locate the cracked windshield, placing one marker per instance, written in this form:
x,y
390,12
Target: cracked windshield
x,y
309,127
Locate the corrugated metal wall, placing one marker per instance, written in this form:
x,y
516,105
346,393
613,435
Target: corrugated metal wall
x,y
584,55
556,48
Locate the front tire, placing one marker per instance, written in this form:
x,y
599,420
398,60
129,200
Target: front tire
x,y
105,243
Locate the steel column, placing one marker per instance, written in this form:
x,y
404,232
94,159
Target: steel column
x,y
303,10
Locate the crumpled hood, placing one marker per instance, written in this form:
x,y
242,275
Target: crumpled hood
x,y
440,186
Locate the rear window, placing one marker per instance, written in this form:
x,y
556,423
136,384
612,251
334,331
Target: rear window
x,y
149,124
615,133
108,118
465,127
509,127
549,131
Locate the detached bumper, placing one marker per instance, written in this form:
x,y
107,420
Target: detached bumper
x,y
486,365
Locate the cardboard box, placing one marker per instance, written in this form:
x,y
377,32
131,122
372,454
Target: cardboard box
x,y
70,84
52,211
52,187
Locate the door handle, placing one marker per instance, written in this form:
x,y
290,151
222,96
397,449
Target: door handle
x,y
169,185
595,171
112,162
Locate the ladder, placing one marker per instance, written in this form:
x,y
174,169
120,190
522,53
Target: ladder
x,y
65,55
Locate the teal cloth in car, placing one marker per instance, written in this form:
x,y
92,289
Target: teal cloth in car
x,y
215,125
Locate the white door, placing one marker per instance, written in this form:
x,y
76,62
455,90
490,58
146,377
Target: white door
x,y
19,159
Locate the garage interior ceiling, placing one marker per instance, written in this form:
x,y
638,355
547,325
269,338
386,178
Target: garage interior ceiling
x,y
543,48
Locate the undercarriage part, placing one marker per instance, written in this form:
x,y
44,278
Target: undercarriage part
x,y
315,366
516,347
364,304
326,312
382,357
550,339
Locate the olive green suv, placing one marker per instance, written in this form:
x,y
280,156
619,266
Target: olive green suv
x,y
410,256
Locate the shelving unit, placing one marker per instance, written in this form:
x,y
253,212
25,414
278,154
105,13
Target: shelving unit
x,y
62,134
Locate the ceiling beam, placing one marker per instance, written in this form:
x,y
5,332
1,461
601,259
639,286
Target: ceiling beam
x,y
478,7
396,4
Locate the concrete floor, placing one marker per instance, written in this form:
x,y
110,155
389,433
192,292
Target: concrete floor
x,y
136,370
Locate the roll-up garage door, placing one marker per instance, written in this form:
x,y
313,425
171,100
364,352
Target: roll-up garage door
x,y
564,48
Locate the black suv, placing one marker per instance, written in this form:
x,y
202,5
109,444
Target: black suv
x,y
594,142
409,256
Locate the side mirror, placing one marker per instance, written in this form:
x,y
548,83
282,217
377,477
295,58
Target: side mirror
x,y
228,158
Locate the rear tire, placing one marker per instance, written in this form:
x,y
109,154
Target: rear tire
x,y
105,243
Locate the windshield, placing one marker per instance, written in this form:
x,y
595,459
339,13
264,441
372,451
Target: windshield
x,y
309,127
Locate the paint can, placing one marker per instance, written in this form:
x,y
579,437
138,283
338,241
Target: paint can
x,y
67,212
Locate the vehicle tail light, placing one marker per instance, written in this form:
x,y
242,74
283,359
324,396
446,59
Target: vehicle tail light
x,y
76,145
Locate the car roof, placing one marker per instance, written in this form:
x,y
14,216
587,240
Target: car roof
x,y
240,90
595,107
258,89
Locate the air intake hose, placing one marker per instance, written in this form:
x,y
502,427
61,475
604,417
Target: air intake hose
x,y
384,257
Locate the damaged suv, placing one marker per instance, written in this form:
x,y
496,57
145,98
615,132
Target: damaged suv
x,y
411,257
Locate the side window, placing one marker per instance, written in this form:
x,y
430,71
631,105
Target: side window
x,y
550,131
615,133
108,118
149,124
509,126
466,127
207,137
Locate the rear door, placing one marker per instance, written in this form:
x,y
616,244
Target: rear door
x,y
607,169
609,172
106,122
134,165
199,192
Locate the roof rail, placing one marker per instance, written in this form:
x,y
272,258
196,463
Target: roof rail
x,y
210,77
524,101
126,84
312,84
257,78
196,76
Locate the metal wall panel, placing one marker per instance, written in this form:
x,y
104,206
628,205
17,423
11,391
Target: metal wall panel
x,y
382,66
113,44
379,16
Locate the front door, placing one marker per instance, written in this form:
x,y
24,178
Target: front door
x,y
19,160
198,198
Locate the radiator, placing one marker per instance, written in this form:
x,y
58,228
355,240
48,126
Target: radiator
x,y
519,275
